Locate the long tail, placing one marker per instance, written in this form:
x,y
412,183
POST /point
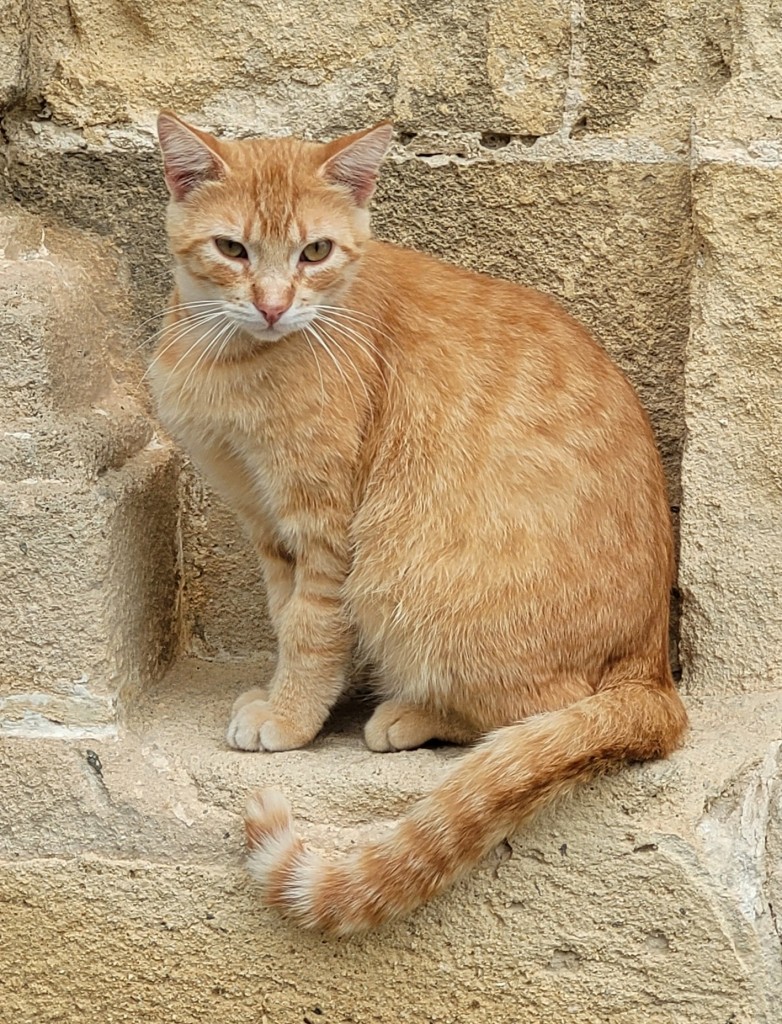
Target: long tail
x,y
493,790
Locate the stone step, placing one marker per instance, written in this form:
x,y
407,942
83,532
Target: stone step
x,y
646,897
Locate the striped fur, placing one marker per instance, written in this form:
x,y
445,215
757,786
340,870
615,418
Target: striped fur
x,y
495,789
439,469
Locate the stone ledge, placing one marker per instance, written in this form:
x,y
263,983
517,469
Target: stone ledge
x,y
89,599
622,905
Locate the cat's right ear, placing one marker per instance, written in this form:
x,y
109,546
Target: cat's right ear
x,y
189,155
353,162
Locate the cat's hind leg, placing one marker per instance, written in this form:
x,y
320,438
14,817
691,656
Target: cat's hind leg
x,y
396,726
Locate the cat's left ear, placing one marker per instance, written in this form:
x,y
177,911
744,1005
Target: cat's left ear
x,y
354,160
190,156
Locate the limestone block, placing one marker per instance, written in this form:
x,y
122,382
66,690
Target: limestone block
x,y
113,191
731,560
475,66
61,317
744,123
87,493
731,535
88,602
646,897
274,66
14,45
223,603
643,68
98,63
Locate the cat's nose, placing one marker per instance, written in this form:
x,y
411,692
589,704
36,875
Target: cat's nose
x,y
271,312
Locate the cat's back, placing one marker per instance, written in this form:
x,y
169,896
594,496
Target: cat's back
x,y
504,412
469,337
425,299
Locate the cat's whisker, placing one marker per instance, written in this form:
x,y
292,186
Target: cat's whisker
x,y
194,318
356,313
340,371
367,342
201,338
201,321
317,366
181,327
165,312
354,324
348,316
351,363
231,335
228,327
349,335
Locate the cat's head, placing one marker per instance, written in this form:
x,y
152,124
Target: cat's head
x,y
270,229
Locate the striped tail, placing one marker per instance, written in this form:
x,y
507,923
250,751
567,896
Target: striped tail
x,y
494,789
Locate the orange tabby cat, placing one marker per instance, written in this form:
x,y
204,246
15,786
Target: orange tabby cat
x,y
437,467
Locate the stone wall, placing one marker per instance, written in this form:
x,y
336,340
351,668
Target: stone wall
x,y
625,155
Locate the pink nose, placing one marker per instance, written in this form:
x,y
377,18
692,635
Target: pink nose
x,y
271,312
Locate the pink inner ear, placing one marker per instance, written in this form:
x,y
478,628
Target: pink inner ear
x,y
357,164
360,180
188,161
181,180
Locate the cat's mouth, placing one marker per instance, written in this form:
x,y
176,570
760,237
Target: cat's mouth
x,y
257,330
267,335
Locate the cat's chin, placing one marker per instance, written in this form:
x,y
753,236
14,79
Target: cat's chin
x,y
269,335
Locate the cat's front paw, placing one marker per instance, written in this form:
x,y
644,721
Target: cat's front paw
x,y
256,726
257,693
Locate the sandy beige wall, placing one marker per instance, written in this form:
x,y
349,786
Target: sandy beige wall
x,y
622,156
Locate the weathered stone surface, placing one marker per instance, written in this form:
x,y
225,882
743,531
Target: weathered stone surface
x,y
87,495
731,535
14,46
744,123
57,342
645,65
126,865
478,66
474,65
111,191
223,599
731,520
89,595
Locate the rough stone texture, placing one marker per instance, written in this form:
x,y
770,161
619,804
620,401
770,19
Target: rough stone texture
x,y
645,64
473,65
732,523
121,877
478,65
87,495
223,605
14,49
731,567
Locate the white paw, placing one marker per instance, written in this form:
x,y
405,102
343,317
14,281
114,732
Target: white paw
x,y
257,693
398,727
256,726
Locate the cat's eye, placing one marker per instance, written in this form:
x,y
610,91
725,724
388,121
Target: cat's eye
x,y
316,251
228,247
